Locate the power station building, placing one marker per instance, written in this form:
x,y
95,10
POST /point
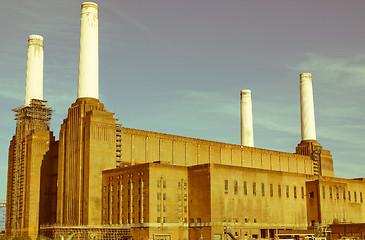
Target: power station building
x,y
104,181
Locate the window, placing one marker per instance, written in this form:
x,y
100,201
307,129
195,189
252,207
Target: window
x,y
245,187
331,192
105,189
198,220
287,191
254,188
191,220
255,220
295,192
271,190
226,186
185,197
164,208
246,220
164,219
262,189
235,187
349,196
324,191
302,192
185,209
158,196
164,184
279,190
164,196
361,197
158,183
344,194
158,219
185,185
158,208
355,197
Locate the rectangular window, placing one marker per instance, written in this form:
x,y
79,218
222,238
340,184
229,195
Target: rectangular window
x,y
271,190
287,191
158,196
295,192
279,190
361,197
344,194
185,185
226,186
245,187
324,191
164,219
158,183
164,184
349,196
164,196
331,192
355,197
254,189
302,192
158,219
185,209
185,197
262,189
164,208
198,220
235,187
158,208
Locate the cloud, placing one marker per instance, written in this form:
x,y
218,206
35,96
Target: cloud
x,y
345,72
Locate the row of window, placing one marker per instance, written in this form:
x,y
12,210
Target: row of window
x,y
337,192
263,191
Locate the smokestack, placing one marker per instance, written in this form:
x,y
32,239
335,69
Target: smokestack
x,y
89,52
34,78
307,107
246,119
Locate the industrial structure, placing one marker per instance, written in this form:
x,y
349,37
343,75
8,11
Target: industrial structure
x,y
104,181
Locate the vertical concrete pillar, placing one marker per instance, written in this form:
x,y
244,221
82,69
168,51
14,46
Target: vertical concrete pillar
x,y
88,85
34,75
246,119
307,107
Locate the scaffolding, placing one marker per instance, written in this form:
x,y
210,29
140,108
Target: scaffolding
x,y
86,232
38,114
118,135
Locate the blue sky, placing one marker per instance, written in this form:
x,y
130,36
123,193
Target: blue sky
x,y
178,67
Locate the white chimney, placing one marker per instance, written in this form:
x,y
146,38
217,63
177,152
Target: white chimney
x,y
89,53
34,78
246,119
307,107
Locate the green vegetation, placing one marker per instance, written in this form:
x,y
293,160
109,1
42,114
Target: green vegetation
x,y
69,237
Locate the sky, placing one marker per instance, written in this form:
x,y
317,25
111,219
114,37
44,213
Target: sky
x,y
177,67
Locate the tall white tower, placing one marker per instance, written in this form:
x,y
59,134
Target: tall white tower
x,y
34,77
88,85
